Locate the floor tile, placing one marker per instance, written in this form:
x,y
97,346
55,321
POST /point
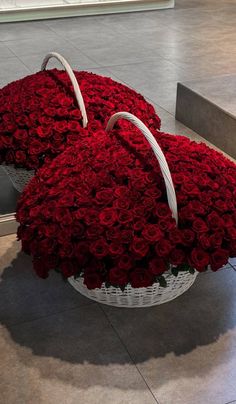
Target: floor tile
x,y
185,349
70,358
232,262
17,31
11,69
40,46
75,58
5,52
24,296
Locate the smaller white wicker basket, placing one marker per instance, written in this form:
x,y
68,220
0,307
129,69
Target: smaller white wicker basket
x,y
138,297
18,176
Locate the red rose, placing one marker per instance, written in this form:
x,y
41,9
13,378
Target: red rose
x,y
10,157
126,236
199,259
68,268
43,131
216,239
108,217
122,203
63,215
204,240
20,157
200,226
118,277
99,248
214,221
36,147
139,223
175,236
125,262
152,233
188,237
113,233
139,211
157,266
94,231
116,249
40,267
125,216
186,213
167,224
66,250
21,135
139,246
177,257
93,280
74,126
163,248
163,211
141,278
218,259
105,196
90,216
221,205
7,141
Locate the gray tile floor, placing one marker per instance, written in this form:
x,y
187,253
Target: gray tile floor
x,y
55,345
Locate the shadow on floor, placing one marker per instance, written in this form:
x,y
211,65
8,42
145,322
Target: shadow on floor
x,y
52,319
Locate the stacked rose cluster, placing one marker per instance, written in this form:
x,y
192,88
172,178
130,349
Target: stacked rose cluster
x,y
99,210
39,115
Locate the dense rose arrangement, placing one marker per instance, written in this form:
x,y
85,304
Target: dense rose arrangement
x,y
39,115
99,210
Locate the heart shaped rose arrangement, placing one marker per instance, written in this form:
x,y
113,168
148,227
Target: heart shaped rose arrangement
x,y
100,210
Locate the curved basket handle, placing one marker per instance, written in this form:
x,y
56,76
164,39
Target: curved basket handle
x,y
74,82
171,196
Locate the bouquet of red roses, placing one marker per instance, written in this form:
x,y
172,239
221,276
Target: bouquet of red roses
x,y
105,209
40,115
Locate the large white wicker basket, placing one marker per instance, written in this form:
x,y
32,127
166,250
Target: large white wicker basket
x,y
155,294
19,176
138,297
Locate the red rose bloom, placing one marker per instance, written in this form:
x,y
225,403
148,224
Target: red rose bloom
x,y
218,259
199,259
141,278
152,233
99,248
163,248
157,266
118,277
108,217
139,246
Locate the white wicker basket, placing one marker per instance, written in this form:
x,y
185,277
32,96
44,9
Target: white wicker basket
x,y
155,294
138,297
19,176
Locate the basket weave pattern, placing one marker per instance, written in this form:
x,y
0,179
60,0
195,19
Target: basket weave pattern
x,y
18,176
138,297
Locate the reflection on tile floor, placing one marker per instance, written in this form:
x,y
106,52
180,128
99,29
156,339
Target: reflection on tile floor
x,y
57,346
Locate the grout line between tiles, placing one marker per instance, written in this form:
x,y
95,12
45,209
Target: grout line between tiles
x,y
126,349
71,43
47,315
231,402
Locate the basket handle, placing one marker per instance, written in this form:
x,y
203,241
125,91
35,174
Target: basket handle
x,y
74,82
171,196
